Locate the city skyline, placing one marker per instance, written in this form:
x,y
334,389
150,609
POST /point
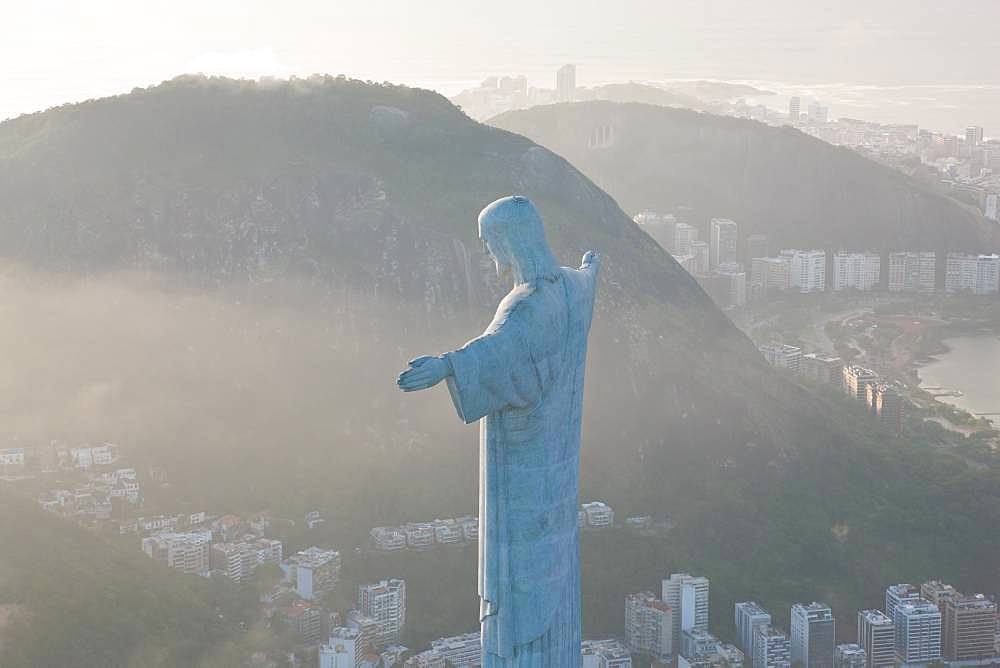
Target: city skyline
x,y
122,47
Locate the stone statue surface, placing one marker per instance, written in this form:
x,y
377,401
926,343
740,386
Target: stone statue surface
x,y
522,379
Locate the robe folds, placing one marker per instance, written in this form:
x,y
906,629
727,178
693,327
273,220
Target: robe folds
x,y
523,379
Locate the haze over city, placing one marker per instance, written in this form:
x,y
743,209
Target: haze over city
x,y
553,335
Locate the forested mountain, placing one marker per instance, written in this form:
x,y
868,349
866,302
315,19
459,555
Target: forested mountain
x,y
800,191
70,598
227,276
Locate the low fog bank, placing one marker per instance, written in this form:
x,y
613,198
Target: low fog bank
x,y
248,389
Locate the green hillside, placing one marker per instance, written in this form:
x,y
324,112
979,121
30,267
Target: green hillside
x,y
77,600
800,191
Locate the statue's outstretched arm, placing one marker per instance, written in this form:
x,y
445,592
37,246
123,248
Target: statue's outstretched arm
x,y
424,372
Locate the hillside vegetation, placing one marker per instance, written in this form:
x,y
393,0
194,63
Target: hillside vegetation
x,y
799,191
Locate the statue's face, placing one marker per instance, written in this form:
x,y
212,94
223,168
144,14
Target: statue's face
x,y
498,251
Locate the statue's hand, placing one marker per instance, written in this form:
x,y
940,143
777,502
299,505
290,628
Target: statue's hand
x,y
590,259
424,372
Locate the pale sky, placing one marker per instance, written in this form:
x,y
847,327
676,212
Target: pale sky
x,y
54,51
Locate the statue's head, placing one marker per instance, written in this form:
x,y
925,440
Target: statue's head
x,y
514,236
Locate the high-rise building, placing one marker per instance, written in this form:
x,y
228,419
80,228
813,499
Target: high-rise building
x,y
385,602
769,276
794,109
897,593
969,628
978,274
749,616
860,271
991,206
566,83
343,650
732,290
771,648
366,626
822,369
649,626
938,593
813,635
687,596
756,247
877,636
918,632
973,135
782,356
850,655
856,382
304,618
887,404
701,263
912,272
723,242
684,235
807,269
818,114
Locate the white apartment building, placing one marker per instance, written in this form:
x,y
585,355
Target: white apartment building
x,y
687,596
684,236
735,284
769,276
723,245
813,635
850,655
385,602
782,356
419,535
700,262
978,274
599,514
918,633
912,271
344,649
388,539
185,552
464,651
447,532
860,271
313,571
898,593
234,560
807,269
749,616
649,626
877,636
605,654
771,648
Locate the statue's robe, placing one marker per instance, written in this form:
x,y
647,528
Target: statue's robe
x,y
524,375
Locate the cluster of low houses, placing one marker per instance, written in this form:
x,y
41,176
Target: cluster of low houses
x,y
465,530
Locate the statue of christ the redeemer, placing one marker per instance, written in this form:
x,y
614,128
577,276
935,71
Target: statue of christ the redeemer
x,y
523,379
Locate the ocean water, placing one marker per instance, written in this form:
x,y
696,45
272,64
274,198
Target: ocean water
x,y
971,366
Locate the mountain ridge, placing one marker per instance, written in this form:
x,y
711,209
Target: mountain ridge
x,y
798,190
